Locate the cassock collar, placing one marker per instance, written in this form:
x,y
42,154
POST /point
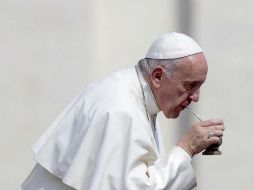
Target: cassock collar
x,y
150,101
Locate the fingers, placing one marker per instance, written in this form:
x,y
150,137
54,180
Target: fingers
x,y
212,122
215,137
218,127
214,140
216,133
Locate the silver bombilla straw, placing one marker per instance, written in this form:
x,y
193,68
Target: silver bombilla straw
x,y
194,114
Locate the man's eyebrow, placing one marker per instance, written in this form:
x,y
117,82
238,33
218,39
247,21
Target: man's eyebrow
x,y
192,82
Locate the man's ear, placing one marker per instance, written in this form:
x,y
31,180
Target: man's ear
x,y
156,76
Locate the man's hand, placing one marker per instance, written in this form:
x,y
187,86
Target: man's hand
x,y
197,139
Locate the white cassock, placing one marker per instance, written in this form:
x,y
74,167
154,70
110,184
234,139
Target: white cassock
x,y
107,139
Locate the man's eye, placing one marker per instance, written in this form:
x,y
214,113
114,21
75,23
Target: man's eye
x,y
190,86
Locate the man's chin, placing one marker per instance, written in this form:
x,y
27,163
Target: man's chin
x,y
172,115
176,115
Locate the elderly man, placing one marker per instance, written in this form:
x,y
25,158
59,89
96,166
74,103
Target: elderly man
x,y
107,138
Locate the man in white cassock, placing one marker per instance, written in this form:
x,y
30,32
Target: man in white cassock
x,y
108,138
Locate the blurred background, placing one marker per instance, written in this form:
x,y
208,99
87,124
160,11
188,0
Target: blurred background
x,y
51,49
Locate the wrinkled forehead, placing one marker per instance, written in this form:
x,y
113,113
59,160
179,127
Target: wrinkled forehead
x,y
193,67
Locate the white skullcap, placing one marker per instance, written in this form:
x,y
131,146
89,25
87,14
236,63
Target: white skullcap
x,y
173,45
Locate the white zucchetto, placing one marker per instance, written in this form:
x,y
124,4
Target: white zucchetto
x,y
173,45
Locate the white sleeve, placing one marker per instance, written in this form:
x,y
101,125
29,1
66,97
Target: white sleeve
x,y
146,169
174,174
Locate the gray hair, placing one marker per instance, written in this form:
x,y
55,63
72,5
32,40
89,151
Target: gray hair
x,y
147,65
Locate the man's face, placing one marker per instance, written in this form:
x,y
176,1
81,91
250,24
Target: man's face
x,y
174,93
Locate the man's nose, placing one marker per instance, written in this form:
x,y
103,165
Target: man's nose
x,y
194,96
